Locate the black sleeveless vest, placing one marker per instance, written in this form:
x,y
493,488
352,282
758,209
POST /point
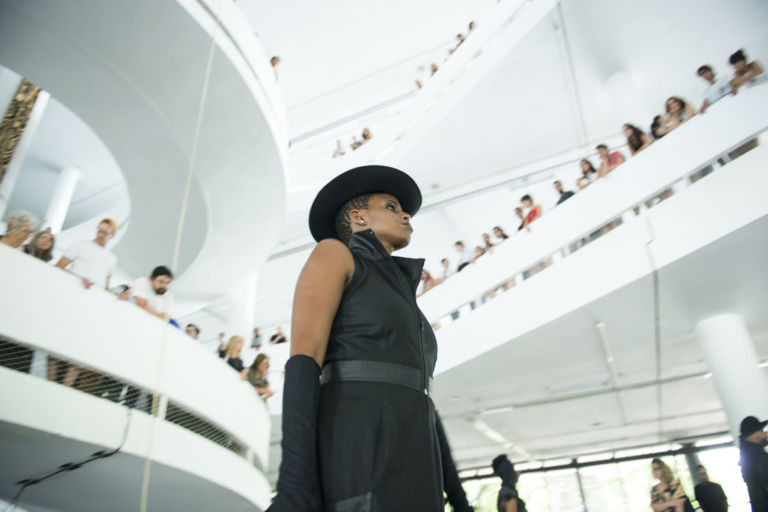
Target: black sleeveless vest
x,y
377,444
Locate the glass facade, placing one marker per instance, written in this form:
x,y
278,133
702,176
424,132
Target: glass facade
x,y
613,486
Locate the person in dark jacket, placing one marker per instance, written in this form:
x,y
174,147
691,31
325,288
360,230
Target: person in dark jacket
x,y
754,461
360,430
508,500
710,495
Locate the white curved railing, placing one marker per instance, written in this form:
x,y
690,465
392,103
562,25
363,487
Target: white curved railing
x,y
49,311
666,164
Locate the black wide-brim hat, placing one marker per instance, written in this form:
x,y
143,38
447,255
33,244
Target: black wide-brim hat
x,y
368,179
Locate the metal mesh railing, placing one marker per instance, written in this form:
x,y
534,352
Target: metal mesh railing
x,y
22,358
178,415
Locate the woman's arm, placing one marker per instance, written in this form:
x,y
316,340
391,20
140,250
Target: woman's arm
x,y
318,293
646,142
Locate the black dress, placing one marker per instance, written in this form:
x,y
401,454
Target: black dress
x,y
378,449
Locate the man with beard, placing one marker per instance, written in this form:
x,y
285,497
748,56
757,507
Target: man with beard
x,y
508,500
754,461
151,294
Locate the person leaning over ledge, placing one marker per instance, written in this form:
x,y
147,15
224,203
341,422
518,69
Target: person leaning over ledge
x,y
90,259
20,224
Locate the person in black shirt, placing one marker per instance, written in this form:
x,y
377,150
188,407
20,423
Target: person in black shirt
x,y
567,194
508,499
754,461
710,495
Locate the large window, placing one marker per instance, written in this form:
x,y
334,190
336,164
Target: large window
x,y
613,486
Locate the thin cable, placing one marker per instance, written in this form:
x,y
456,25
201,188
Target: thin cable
x,y
176,252
70,466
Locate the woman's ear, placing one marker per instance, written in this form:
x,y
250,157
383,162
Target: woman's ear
x,y
356,216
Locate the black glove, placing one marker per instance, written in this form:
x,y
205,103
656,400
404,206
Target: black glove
x,y
298,485
451,483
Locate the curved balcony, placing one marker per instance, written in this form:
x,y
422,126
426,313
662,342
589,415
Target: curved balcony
x,y
136,74
155,393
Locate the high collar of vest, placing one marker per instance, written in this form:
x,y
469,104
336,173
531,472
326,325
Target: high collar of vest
x,y
366,244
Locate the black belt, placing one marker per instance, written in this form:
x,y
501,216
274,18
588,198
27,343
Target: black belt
x,y
371,371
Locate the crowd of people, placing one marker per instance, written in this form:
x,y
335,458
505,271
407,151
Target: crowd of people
x,y
677,111
668,494
460,38
94,264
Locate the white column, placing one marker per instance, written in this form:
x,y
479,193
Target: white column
x,y
14,167
61,199
242,305
733,361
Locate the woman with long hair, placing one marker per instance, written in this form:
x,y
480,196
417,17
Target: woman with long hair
x,y
257,376
668,494
231,352
678,112
41,245
637,140
360,430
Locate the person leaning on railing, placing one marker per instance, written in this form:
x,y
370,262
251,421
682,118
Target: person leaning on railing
x,y
257,376
90,259
41,245
20,224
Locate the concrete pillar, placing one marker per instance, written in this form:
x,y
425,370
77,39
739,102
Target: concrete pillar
x,y
733,361
9,177
61,199
242,306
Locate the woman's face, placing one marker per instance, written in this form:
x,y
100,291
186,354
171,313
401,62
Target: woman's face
x,y
497,232
45,241
424,275
386,218
486,238
238,346
740,66
627,131
519,212
585,166
478,251
674,106
263,367
656,471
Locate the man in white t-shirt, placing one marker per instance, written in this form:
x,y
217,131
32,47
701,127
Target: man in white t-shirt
x,y
466,255
90,259
151,293
716,90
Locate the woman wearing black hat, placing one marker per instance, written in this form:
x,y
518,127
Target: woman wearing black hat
x,y
362,434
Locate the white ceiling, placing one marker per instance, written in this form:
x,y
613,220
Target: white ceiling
x,y
63,140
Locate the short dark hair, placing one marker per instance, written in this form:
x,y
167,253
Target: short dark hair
x,y
196,328
557,181
342,224
599,146
458,242
737,56
703,69
526,197
443,260
162,270
700,467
